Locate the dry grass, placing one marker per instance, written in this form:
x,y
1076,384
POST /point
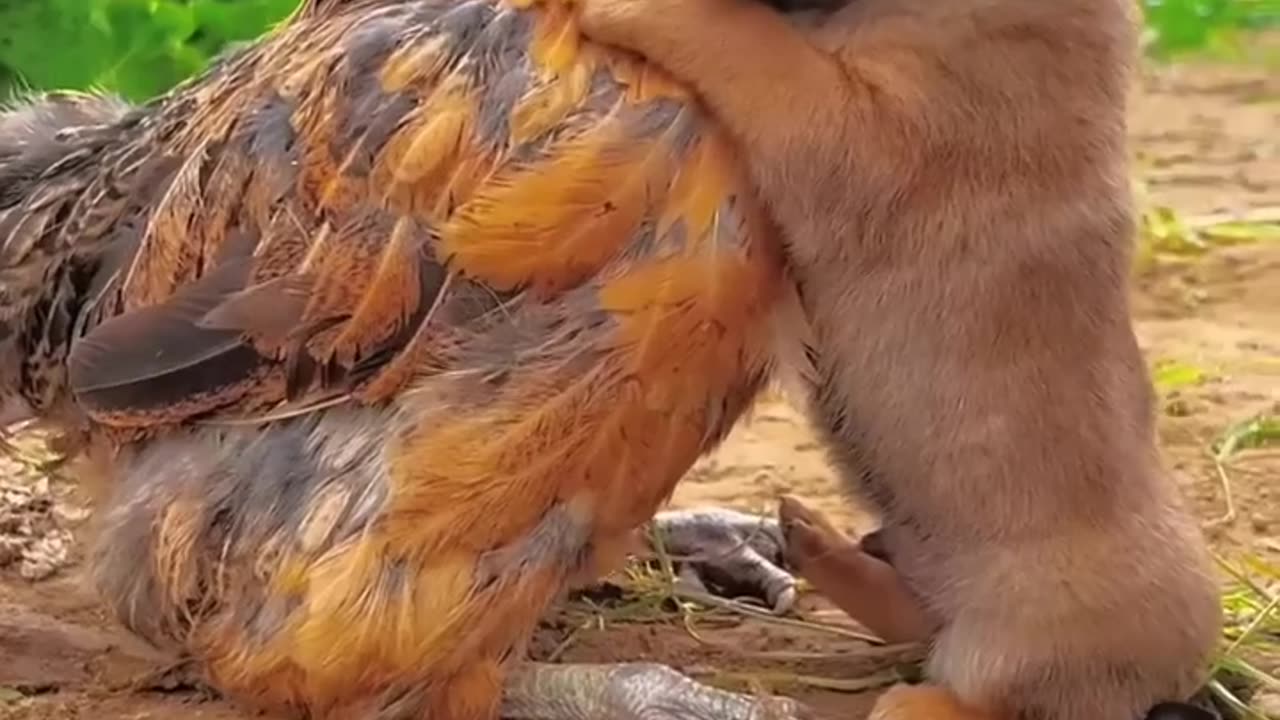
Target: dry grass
x,y
1250,654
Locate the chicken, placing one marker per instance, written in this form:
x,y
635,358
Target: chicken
x,y
382,333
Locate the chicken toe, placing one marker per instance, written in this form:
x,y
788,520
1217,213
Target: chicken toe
x,y
631,691
729,553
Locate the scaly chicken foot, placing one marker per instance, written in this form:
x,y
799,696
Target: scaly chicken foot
x,y
729,553
630,691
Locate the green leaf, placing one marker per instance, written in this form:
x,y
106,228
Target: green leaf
x,y
1256,432
1241,233
1170,375
135,47
1179,26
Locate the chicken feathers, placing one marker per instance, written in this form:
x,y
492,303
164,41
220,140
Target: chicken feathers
x,y
333,190
480,291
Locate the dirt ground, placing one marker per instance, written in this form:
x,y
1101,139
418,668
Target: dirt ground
x,y
1209,140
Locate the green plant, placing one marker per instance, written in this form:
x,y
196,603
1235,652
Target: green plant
x,y
1251,638
138,48
1178,26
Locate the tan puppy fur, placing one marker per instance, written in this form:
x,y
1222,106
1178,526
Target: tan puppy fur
x,y
952,177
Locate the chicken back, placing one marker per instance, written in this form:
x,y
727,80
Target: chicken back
x,y
395,323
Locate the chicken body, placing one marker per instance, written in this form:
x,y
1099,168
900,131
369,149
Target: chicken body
x,y
386,329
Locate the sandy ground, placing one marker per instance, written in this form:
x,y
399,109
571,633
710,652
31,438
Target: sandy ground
x,y
1209,140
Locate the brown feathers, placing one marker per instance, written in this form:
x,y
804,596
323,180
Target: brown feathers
x,y
308,216
481,292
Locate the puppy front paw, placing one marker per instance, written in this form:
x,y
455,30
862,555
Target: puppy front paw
x,y
614,22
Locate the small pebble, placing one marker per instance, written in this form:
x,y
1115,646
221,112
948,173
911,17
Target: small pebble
x,y
1268,704
32,536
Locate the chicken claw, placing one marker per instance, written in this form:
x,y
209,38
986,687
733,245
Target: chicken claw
x,y
631,691
729,553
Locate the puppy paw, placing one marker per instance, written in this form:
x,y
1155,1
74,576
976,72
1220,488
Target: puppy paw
x,y
924,702
811,540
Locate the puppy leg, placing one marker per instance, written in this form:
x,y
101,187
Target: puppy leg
x,y
868,589
874,545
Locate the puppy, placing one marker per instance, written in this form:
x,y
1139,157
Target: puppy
x,y
952,179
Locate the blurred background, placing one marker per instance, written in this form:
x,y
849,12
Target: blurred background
x,y
1205,128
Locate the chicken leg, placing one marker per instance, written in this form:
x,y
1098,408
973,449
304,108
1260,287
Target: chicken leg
x,y
630,691
724,549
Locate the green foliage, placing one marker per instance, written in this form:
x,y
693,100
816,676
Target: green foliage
x,y
1172,375
1178,26
1259,431
136,47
